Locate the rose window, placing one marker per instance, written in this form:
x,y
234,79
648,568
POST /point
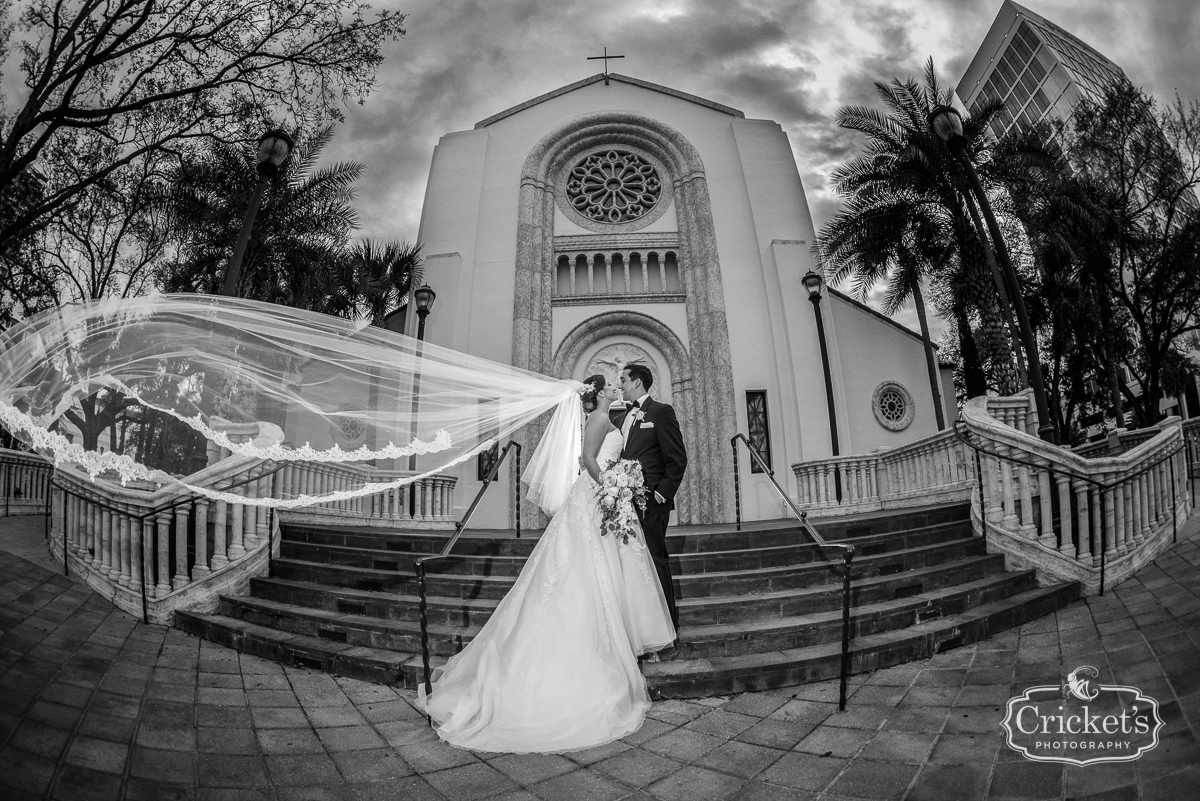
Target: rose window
x,y
613,187
893,406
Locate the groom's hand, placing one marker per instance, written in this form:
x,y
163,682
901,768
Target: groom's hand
x,y
658,497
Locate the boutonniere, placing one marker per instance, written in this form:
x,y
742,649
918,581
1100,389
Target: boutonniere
x,y
639,416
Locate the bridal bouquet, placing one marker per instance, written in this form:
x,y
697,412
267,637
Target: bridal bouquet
x,y
621,486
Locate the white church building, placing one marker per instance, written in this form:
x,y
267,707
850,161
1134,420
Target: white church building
x,y
614,220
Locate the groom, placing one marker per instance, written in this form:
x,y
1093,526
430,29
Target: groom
x,y
652,437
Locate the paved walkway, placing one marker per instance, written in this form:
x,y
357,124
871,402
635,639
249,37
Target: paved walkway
x,y
95,705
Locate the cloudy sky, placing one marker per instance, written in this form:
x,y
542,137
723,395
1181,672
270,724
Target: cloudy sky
x,y
793,61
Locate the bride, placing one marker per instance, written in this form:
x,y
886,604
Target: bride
x,y
555,667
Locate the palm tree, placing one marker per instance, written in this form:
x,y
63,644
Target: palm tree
x,y
908,219
300,234
374,279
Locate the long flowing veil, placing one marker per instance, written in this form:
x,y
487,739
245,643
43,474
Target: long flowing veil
x,y
320,389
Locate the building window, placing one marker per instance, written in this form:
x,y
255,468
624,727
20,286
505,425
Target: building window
x,y
759,427
893,406
487,459
613,187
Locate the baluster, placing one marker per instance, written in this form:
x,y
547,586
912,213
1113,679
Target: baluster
x,y
285,481
1085,496
1138,524
136,553
823,493
1109,527
1027,527
236,549
104,540
94,538
220,557
121,551
1067,548
1006,482
200,569
1124,518
262,514
250,512
148,528
990,503
181,542
163,546
1046,507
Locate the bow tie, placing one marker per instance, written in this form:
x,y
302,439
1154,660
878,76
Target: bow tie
x,y
635,405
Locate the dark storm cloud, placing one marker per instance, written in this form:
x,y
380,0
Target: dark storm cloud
x,y
793,62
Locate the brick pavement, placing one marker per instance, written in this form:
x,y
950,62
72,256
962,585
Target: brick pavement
x,y
95,705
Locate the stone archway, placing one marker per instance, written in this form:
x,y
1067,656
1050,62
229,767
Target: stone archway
x,y
700,477
711,388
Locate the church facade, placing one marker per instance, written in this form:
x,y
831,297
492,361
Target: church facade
x,y
613,221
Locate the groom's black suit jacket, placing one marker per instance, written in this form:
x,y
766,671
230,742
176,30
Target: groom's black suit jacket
x,y
656,442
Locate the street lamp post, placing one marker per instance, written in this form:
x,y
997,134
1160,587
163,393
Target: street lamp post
x,y
273,150
814,282
947,124
423,299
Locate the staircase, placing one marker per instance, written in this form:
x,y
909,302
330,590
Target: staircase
x,y
759,608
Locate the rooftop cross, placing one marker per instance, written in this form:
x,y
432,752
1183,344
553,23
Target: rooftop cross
x,y
605,57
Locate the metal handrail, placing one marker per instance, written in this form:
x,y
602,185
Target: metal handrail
x,y
142,517
847,550
1104,486
459,528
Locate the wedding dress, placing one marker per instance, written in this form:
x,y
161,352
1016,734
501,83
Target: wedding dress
x,y
555,667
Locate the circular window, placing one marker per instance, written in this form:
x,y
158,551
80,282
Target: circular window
x,y
618,189
893,406
613,187
349,431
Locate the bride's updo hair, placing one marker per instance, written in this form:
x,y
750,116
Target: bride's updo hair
x,y
590,394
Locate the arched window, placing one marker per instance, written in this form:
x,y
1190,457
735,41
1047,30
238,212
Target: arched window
x,y
562,277
672,264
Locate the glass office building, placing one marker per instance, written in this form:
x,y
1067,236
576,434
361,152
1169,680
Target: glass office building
x,y
1034,66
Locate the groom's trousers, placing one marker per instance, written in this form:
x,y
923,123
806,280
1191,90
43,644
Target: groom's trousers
x,y
654,527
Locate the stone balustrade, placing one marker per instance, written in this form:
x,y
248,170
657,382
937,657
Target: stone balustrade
x,y
1096,521
426,503
148,544
127,542
934,469
580,275
24,482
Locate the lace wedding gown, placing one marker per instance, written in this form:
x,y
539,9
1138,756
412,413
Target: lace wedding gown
x,y
555,667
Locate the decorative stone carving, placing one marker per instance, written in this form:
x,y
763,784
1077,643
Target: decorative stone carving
x,y
348,432
893,406
613,190
610,360
613,187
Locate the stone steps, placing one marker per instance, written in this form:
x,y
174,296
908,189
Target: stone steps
x,y
774,622
367,664
729,572
931,566
758,607
768,670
